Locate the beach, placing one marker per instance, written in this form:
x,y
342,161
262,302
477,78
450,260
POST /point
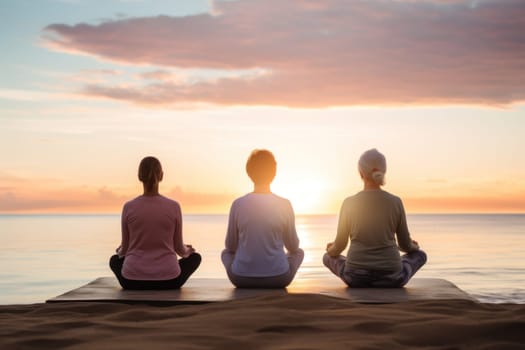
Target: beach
x,y
304,321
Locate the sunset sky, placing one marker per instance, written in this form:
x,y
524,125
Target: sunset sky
x,y
89,87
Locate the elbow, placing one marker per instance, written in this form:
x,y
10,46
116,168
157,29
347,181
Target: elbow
x,y
292,247
122,250
232,248
404,248
334,251
293,250
181,250
333,254
407,248
338,247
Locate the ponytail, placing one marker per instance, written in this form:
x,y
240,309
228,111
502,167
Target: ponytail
x,y
378,177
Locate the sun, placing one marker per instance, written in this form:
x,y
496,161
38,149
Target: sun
x,y
305,194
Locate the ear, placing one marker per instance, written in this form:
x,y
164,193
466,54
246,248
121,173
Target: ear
x,y
161,176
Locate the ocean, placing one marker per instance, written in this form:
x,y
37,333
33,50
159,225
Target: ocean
x,y
42,256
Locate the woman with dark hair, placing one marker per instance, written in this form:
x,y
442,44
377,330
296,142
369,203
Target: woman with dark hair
x,y
372,219
152,238
261,225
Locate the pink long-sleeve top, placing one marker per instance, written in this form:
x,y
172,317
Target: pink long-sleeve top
x,y
152,238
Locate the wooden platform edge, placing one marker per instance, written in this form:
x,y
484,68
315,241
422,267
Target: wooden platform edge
x,y
203,291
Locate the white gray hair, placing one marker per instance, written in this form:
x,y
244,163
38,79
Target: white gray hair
x,y
372,166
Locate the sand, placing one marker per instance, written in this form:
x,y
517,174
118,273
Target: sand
x,y
301,321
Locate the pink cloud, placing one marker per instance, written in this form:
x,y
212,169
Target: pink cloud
x,y
201,201
12,202
467,204
60,200
158,75
80,199
319,53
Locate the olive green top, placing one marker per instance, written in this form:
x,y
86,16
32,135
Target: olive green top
x,y
372,219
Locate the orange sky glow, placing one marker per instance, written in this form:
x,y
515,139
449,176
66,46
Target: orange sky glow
x,y
437,86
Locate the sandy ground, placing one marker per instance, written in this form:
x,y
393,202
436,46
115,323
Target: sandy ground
x,y
301,321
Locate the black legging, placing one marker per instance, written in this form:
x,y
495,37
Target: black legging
x,y
187,266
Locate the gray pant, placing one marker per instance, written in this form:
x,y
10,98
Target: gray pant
x,y
280,281
363,278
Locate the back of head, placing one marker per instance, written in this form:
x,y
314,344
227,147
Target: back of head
x,y
372,166
261,166
150,171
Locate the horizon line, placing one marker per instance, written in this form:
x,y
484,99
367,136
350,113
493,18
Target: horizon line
x,y
226,214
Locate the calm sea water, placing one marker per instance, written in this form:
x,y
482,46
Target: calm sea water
x,y
42,256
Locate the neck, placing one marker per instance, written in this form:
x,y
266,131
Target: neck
x,y
261,188
370,185
151,191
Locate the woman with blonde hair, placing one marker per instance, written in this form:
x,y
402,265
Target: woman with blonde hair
x,y
261,225
372,219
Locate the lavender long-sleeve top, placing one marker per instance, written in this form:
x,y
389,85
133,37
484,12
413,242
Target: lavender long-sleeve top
x,y
260,227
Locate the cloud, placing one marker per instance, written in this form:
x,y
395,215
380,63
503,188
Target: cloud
x,y
45,195
318,53
467,204
22,194
160,74
11,202
14,199
34,95
200,201
77,199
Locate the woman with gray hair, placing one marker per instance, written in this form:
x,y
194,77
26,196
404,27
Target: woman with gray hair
x,y
372,219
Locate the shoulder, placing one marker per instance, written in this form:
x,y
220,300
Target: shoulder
x,y
394,201
239,201
392,197
132,203
280,199
282,202
348,201
169,202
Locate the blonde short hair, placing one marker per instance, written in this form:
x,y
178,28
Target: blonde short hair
x,y
261,166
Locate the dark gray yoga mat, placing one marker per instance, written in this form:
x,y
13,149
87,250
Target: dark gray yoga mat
x,y
205,290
